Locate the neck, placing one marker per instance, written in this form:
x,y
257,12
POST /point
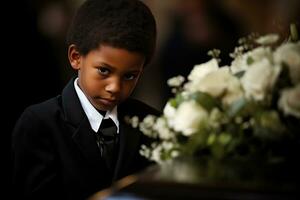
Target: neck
x,y
102,112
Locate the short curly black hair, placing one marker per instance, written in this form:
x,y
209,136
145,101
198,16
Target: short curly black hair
x,y
126,24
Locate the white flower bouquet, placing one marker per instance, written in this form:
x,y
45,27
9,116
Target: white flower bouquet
x,y
248,110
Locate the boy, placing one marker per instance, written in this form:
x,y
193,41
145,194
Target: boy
x,y
60,150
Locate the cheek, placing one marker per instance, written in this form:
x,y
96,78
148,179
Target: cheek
x,y
97,87
93,86
127,89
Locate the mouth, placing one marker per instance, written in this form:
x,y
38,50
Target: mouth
x,y
107,102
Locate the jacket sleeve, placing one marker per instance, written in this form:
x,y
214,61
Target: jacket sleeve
x,y
34,169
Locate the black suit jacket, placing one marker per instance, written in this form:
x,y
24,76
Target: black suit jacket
x,y
55,155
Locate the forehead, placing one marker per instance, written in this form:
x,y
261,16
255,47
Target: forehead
x,y
116,57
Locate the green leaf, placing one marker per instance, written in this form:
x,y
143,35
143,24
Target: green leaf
x,y
179,99
250,60
173,103
211,139
239,74
205,100
268,125
236,107
176,101
224,138
197,141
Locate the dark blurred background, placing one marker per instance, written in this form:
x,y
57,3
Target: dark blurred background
x,y
188,29
35,65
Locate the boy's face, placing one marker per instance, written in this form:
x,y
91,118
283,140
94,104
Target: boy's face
x,y
107,75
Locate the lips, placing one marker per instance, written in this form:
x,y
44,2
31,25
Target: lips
x,y
108,102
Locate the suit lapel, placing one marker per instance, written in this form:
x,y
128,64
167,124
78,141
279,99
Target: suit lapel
x,y
79,126
84,138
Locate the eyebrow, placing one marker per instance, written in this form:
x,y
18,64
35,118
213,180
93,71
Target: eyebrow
x,y
113,67
105,64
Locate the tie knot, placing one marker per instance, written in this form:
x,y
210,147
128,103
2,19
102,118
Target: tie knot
x,y
107,123
108,128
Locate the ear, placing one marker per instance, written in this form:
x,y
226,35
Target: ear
x,y
74,57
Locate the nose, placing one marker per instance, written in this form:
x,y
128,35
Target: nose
x,y
113,86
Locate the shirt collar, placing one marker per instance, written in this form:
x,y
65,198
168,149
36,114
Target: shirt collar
x,y
94,117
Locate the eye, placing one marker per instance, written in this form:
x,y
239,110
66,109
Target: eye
x,y
130,77
103,70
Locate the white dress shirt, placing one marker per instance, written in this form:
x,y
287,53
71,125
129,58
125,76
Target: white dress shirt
x,y
94,117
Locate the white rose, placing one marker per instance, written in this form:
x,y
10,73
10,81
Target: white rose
x,y
201,70
289,101
169,112
213,83
289,54
234,90
259,79
198,73
220,83
257,54
188,117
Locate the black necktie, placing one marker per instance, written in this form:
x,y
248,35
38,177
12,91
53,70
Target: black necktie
x,y
107,142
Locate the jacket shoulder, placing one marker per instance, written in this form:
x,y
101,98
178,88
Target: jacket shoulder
x,y
35,121
46,108
43,111
135,107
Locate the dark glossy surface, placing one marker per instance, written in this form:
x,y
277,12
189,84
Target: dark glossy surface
x,y
194,179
